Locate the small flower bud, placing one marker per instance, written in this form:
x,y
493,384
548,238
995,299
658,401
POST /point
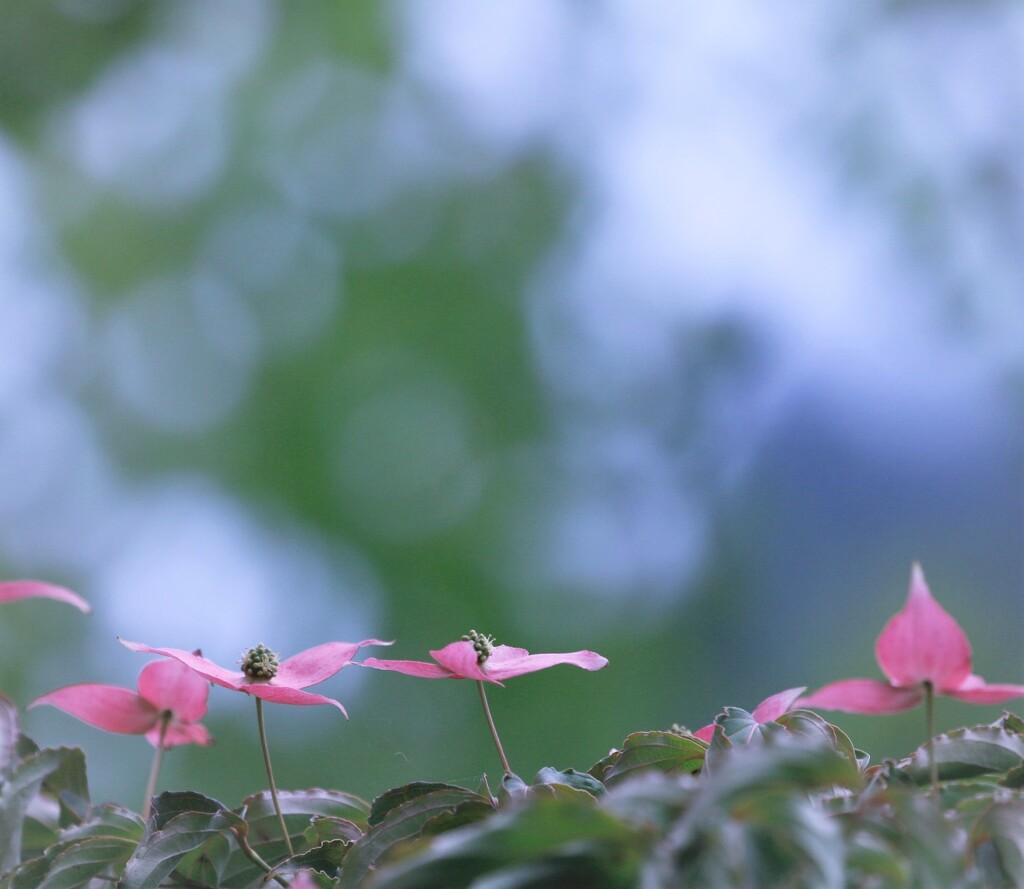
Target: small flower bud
x,y
260,662
483,645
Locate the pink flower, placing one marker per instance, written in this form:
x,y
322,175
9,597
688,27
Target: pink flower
x,y
12,590
768,710
264,677
476,657
919,645
164,687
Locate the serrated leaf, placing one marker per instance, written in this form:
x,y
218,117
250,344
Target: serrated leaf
x,y
79,862
24,781
324,827
400,823
571,778
398,796
303,805
107,820
161,850
326,857
170,804
599,769
550,842
27,876
664,751
967,753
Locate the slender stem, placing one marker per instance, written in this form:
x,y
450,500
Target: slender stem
x,y
494,731
253,855
270,777
158,759
929,709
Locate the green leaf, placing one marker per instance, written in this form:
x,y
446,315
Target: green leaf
x,y
109,821
170,804
9,729
402,822
325,827
326,857
398,796
69,785
77,863
997,840
550,842
161,850
664,751
24,782
303,805
570,777
967,753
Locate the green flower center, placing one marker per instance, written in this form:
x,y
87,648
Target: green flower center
x,y
484,645
260,662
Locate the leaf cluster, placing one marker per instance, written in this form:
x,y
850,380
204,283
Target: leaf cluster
x,y
790,803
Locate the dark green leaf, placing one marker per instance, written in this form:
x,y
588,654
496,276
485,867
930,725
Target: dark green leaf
x,y
161,850
77,863
997,840
398,796
557,843
966,753
24,782
324,827
578,780
402,822
664,751
171,804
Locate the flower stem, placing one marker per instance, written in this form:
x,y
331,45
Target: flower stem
x,y
253,855
494,731
270,777
929,709
158,759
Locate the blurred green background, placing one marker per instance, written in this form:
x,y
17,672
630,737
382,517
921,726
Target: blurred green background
x,y
672,331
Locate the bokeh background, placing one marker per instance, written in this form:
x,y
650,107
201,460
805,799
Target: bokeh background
x,y
672,330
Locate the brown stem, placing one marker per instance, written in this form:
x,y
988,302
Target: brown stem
x,y
158,759
929,709
494,731
270,777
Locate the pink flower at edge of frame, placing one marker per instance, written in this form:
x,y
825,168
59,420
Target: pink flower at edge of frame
x,y
163,687
920,643
768,710
293,674
14,590
458,660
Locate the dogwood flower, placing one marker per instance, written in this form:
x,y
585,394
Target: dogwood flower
x,y
768,710
265,676
167,707
922,651
12,590
477,657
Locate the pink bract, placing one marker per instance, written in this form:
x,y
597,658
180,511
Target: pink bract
x,y
458,660
13,590
920,644
294,674
163,687
768,710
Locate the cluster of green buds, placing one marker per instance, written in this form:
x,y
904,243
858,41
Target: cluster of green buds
x,y
260,662
483,645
